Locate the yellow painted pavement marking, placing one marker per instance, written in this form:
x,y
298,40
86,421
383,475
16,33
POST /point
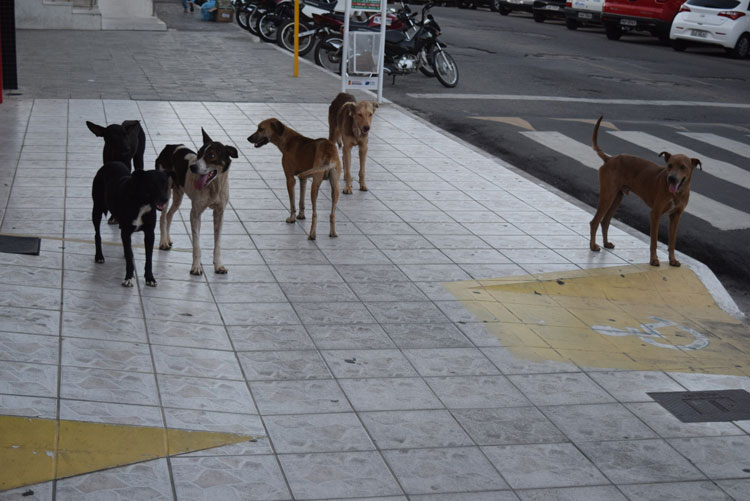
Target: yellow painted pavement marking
x,y
34,450
515,121
631,317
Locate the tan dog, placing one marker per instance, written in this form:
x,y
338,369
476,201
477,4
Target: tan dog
x,y
665,190
303,157
349,123
204,176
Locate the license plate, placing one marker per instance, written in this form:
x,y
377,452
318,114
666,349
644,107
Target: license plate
x,y
584,15
552,7
628,22
699,33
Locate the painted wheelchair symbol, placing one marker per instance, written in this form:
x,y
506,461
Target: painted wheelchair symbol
x,y
650,334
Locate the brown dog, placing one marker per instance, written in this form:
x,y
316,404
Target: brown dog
x,y
349,123
665,190
303,157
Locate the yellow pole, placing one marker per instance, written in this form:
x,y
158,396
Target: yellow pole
x,y
296,38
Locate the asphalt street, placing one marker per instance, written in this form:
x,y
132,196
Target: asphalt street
x,y
529,93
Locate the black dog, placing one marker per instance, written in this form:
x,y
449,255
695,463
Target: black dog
x,y
124,142
133,200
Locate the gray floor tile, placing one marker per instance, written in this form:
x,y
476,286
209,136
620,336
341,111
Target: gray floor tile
x,y
196,362
238,477
338,475
627,386
508,426
147,480
269,337
450,362
406,312
389,394
299,397
640,461
559,389
334,313
597,422
738,489
456,469
666,425
106,355
368,363
707,491
205,394
466,392
280,365
420,335
717,457
352,337
411,429
544,465
305,433
85,383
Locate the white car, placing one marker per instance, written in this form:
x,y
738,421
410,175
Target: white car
x,y
716,22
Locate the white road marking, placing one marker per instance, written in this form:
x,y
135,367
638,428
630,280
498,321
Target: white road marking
x,y
715,213
741,149
635,102
713,167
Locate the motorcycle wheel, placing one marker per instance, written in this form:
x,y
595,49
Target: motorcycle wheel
x,y
267,30
426,67
327,56
242,15
286,38
252,19
445,67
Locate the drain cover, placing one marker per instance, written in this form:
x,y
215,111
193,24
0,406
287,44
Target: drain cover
x,y
706,406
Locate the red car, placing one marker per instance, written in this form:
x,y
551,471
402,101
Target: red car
x,y
654,16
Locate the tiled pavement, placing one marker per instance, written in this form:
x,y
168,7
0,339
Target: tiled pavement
x,y
357,368
363,376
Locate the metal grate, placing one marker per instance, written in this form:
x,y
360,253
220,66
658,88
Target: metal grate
x,y
706,406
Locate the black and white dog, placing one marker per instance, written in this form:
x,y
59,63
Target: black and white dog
x,y
204,177
133,200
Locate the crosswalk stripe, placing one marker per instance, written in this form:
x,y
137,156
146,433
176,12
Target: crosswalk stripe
x,y
717,168
715,213
742,149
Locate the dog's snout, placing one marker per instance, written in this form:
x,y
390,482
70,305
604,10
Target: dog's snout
x,y
366,128
194,168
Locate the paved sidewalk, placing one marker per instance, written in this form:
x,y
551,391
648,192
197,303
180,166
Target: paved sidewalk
x,y
396,361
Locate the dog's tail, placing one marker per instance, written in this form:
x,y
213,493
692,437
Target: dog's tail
x,y
598,150
325,169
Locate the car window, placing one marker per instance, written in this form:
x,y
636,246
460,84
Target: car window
x,y
714,4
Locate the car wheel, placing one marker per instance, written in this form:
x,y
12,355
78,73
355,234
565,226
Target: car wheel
x,y
741,48
613,31
504,11
538,17
495,5
679,45
571,24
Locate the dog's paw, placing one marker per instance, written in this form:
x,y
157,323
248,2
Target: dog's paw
x,y
301,215
609,245
363,187
221,270
654,262
99,259
291,219
196,270
348,190
311,236
333,234
165,246
595,248
151,282
128,282
674,262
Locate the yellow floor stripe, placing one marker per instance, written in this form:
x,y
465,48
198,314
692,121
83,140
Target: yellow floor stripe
x,y
632,317
34,450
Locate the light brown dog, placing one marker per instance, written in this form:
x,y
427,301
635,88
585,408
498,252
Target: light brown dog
x,y
349,125
303,157
665,190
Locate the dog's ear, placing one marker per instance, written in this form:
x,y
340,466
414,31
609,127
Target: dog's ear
x,y
696,163
98,130
277,127
375,106
665,155
232,151
206,139
131,125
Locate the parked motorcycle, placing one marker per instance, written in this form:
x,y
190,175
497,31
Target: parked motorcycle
x,y
406,51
